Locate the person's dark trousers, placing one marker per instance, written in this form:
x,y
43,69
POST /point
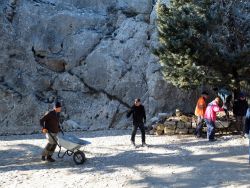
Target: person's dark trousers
x,y
141,127
210,129
198,130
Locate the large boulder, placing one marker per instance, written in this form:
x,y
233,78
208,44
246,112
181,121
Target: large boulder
x,y
20,114
136,7
67,82
96,5
93,56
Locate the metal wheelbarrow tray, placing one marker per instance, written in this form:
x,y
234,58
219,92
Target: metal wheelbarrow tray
x,y
72,144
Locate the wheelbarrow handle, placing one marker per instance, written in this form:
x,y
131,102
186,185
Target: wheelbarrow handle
x,y
62,132
53,137
61,129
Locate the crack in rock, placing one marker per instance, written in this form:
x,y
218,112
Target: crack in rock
x,y
10,89
111,125
10,10
111,97
53,64
44,2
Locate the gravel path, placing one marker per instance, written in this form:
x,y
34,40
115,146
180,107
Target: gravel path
x,y
170,161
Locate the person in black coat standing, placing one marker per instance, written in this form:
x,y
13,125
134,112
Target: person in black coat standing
x,y
139,118
240,109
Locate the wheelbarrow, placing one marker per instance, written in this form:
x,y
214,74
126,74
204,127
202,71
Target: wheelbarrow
x,y
72,144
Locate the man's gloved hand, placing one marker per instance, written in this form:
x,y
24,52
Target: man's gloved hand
x,y
44,131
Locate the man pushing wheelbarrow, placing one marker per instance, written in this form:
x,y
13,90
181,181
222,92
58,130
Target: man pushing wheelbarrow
x,y
50,127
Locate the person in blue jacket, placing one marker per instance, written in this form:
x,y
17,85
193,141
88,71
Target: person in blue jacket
x,y
247,122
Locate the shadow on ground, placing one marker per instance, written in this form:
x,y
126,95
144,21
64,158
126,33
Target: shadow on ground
x,y
82,134
179,166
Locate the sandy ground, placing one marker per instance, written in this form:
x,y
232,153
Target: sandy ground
x,y
170,161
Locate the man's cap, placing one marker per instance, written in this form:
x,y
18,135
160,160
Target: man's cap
x,y
58,105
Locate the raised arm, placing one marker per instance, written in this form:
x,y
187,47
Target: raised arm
x,y
216,108
130,112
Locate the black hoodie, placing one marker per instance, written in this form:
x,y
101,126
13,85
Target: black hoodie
x,y
138,114
240,107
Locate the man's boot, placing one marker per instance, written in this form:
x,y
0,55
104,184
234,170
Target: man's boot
x,y
50,159
133,144
144,144
43,158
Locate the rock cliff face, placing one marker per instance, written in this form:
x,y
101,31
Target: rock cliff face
x,y
94,56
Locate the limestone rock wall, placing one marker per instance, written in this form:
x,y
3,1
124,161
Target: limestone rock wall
x,y
93,56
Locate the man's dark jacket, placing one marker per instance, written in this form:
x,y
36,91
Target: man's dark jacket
x,y
138,114
50,121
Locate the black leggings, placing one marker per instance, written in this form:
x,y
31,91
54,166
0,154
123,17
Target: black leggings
x,y
141,127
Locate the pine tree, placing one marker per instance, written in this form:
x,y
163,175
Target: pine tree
x,y
204,42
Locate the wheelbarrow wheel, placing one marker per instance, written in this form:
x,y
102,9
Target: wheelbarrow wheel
x,y
79,157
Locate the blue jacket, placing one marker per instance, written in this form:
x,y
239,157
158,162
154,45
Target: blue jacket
x,y
247,123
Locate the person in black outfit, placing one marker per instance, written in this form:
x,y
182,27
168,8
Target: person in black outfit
x,y
139,118
240,109
50,126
